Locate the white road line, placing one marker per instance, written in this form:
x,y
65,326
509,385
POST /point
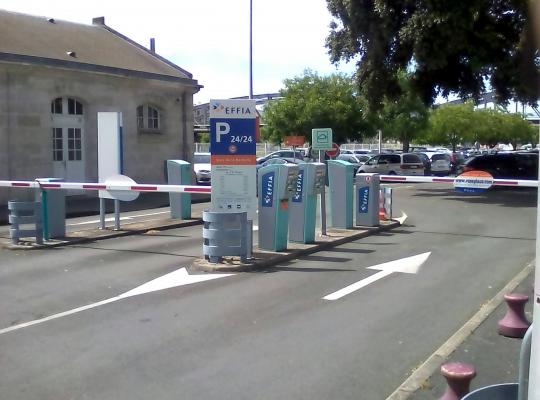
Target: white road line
x,y
176,278
97,221
110,219
408,265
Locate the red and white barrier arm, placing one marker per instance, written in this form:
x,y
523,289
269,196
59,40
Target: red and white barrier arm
x,y
448,179
102,186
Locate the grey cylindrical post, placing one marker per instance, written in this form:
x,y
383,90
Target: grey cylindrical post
x,y
323,204
116,215
101,213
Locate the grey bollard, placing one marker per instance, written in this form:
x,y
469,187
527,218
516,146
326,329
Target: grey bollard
x,y
367,199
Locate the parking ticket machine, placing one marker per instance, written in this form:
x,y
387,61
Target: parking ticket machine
x,y
303,204
276,184
340,180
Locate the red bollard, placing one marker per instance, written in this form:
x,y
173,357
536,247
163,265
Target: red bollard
x,y
514,323
458,376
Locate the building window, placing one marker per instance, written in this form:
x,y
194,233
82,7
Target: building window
x,y
74,107
148,118
140,117
56,106
74,144
58,144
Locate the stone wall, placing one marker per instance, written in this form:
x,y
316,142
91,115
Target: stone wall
x,y
26,93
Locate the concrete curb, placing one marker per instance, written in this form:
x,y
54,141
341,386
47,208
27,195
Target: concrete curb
x,y
433,362
273,258
102,235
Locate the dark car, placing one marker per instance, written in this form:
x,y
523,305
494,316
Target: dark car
x,y
505,165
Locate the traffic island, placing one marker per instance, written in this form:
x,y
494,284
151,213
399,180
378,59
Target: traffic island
x,y
91,235
262,259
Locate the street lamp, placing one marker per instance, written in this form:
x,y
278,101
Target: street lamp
x,y
250,49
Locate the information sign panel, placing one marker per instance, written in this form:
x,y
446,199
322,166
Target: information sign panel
x,y
321,139
233,156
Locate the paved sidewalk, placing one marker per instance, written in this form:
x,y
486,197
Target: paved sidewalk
x,y
495,357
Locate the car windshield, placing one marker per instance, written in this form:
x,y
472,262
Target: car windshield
x,y
443,157
201,159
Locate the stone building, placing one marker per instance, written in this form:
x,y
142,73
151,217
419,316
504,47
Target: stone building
x,y
55,76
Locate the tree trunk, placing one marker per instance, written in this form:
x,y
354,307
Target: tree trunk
x,y
405,144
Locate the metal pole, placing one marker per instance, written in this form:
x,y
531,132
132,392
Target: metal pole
x,y
323,202
250,240
380,141
250,49
45,211
101,213
116,215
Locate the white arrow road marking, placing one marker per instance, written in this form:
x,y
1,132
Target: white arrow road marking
x,y
401,219
179,277
409,265
176,278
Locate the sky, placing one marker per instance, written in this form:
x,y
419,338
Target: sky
x,y
210,38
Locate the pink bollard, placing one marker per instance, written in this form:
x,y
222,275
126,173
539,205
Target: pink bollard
x,y
458,376
514,323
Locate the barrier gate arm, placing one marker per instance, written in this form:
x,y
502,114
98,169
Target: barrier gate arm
x,y
102,186
432,179
208,189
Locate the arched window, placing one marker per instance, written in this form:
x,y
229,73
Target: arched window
x,y
72,106
148,118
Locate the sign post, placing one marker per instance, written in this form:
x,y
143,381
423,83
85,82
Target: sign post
x,y
233,157
321,139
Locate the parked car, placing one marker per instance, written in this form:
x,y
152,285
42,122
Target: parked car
x,y
201,166
296,155
394,164
272,161
505,165
427,163
356,160
440,164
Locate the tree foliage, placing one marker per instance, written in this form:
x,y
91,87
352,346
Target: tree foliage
x,y
451,46
461,123
406,117
313,101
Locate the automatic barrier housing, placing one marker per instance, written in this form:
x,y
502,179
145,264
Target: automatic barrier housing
x,y
179,173
367,199
340,180
276,185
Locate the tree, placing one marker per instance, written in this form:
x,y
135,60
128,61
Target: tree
x,y
313,101
451,46
452,124
495,126
406,117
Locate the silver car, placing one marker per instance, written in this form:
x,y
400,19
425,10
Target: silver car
x,y
394,164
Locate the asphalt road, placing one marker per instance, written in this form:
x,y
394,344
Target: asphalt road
x,y
260,335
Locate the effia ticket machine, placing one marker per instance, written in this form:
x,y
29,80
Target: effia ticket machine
x,y
303,204
340,180
276,185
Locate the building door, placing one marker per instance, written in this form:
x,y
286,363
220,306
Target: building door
x,y
68,140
